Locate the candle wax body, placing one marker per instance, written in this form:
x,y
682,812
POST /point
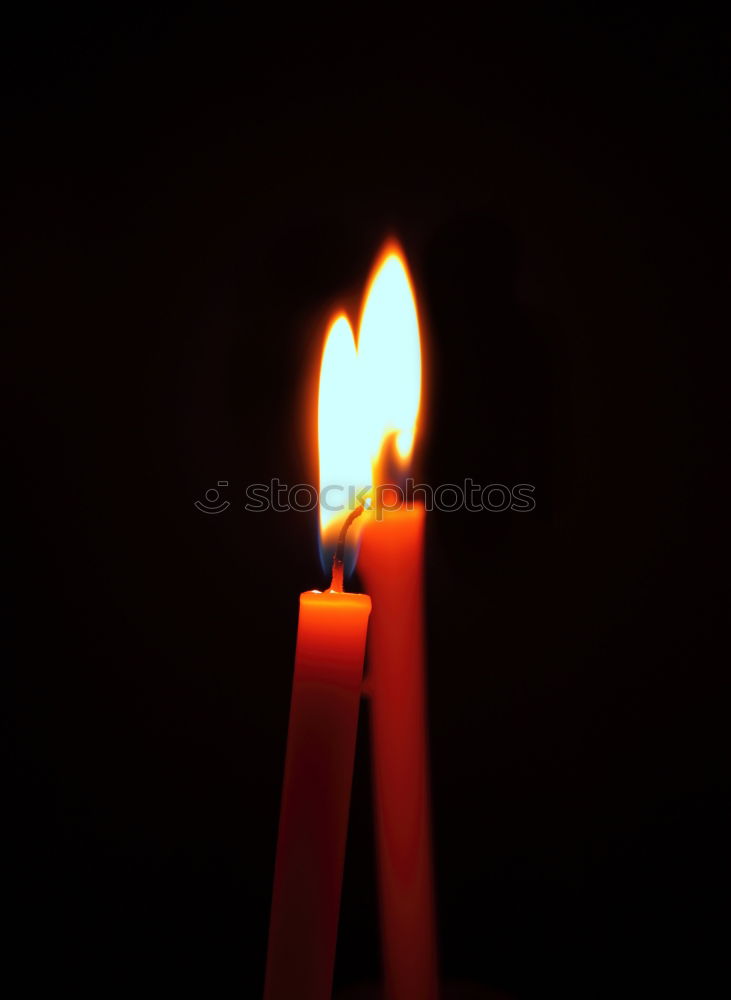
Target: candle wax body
x,y
313,822
391,566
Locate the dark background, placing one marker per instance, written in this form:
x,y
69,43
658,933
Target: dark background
x,y
189,194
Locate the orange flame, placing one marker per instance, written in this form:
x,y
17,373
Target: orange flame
x,y
389,356
368,394
344,466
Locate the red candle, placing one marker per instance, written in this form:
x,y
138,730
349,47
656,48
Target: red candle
x,y
323,718
318,773
391,564
367,398
391,567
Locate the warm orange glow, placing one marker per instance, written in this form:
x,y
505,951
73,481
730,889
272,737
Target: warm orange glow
x,y
344,464
389,356
367,395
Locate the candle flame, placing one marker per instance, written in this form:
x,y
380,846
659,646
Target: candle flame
x,y
368,396
389,357
344,466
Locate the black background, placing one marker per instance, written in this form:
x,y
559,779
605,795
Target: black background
x,y
190,193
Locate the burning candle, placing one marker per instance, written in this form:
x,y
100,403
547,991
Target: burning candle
x,y
323,719
391,566
368,405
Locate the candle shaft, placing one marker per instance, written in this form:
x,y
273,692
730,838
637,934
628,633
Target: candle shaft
x,y
391,567
316,795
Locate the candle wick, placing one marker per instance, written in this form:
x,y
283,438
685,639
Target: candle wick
x,y
339,557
